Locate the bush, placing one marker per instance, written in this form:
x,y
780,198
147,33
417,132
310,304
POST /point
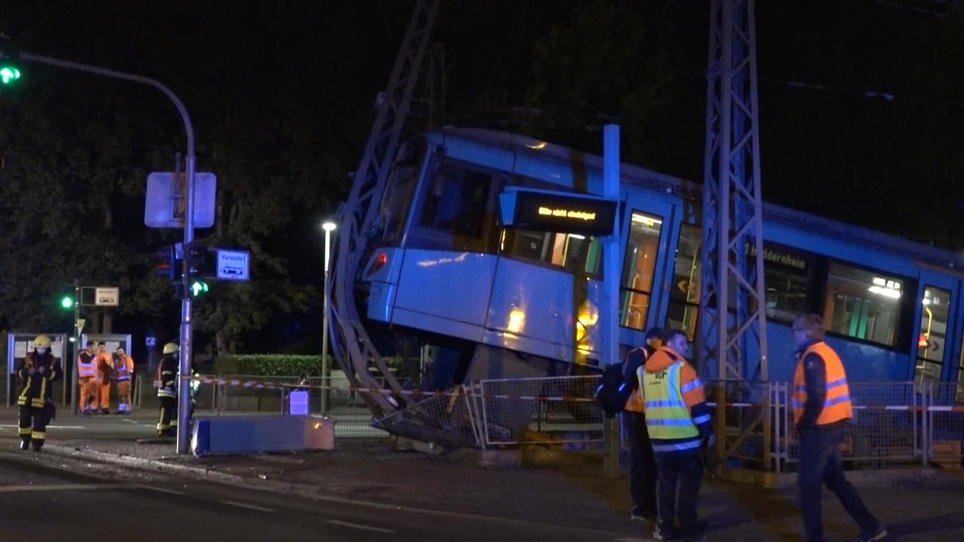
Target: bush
x,y
268,364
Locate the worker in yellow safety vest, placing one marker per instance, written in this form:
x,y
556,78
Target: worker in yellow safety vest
x,y
88,388
642,462
123,373
821,411
678,423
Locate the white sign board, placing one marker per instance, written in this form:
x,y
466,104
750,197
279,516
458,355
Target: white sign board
x,y
164,203
233,264
106,296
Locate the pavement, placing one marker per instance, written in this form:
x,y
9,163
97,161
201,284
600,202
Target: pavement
x,y
547,488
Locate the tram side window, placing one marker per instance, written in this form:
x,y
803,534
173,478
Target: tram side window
x,y
959,396
933,329
457,207
642,246
863,304
684,298
785,276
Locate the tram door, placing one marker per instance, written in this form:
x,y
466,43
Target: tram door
x,y
652,226
939,334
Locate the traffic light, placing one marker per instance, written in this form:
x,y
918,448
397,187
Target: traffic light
x,y
9,69
67,302
198,287
168,263
202,261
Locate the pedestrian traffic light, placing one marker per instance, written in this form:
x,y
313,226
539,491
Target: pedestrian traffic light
x,y
198,287
168,263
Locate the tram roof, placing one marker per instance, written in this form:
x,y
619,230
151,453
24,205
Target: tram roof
x,y
945,259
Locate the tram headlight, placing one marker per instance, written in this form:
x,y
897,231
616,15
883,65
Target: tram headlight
x,y
517,321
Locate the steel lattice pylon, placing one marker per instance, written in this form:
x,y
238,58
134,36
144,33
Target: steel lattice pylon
x,y
732,304
351,344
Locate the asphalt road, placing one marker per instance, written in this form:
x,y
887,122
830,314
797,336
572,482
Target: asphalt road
x,y
81,502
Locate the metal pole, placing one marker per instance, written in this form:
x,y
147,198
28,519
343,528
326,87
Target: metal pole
x,y
328,227
185,346
610,316
76,349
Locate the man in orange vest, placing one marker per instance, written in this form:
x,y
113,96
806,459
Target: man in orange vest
x,y
123,372
642,462
105,369
821,411
87,385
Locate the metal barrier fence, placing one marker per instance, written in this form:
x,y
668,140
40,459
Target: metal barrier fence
x,y
552,410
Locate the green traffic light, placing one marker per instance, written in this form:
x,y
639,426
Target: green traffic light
x,y
9,74
67,302
198,287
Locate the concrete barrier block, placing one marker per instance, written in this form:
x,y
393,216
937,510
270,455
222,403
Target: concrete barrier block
x,y
257,434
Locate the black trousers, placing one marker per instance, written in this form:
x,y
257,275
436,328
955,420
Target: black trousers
x,y
642,465
682,472
33,424
167,423
820,464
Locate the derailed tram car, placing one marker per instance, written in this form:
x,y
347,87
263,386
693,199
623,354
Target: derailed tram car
x,y
520,302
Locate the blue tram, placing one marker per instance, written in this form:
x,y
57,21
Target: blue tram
x,y
523,302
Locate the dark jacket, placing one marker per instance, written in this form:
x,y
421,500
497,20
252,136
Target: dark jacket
x,y
36,387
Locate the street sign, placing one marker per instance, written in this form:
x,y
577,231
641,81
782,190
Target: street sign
x,y
80,324
165,200
233,264
106,297
149,340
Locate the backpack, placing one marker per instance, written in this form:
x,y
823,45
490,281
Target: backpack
x,y
612,392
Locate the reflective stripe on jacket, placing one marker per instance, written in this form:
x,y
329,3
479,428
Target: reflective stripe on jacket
x,y
667,416
86,364
123,367
836,405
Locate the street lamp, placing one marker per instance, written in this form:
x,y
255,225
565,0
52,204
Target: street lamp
x,y
328,226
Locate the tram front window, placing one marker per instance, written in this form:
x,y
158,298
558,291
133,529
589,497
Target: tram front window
x,y
933,328
863,304
636,286
572,251
684,297
457,209
959,396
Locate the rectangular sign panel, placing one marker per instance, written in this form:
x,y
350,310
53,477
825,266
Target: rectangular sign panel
x,y
165,200
106,296
557,211
233,264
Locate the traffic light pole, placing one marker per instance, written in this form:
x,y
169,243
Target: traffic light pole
x,y
76,352
184,384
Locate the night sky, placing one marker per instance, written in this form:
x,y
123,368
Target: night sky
x,y
860,104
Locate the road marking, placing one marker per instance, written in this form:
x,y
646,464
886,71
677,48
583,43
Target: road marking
x,y
248,506
358,526
62,487
164,490
51,426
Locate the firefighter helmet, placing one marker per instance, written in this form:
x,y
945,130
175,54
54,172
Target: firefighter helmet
x,y
42,341
170,348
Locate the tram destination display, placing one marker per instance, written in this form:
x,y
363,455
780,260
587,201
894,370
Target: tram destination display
x,y
556,211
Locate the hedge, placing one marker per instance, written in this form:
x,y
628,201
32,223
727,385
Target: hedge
x,y
268,364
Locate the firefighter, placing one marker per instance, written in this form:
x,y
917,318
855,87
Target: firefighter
x,y
123,373
167,391
87,385
40,368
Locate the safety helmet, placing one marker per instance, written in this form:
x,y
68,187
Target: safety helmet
x,y
42,341
170,348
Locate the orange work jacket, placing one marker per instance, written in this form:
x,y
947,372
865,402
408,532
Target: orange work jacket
x,y
836,404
